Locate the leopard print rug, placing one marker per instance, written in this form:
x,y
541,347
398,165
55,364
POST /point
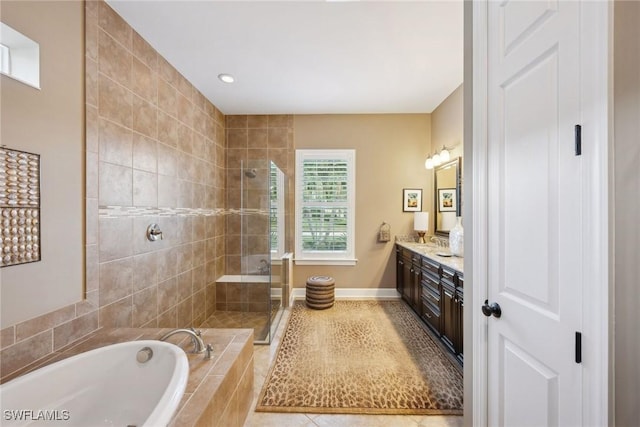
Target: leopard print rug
x,y
365,357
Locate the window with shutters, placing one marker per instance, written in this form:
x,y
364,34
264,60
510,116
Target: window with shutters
x,y
325,207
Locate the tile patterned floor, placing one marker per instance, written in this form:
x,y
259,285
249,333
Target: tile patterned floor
x,y
264,355
241,319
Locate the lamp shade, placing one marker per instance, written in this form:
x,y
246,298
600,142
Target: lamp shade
x,y
421,221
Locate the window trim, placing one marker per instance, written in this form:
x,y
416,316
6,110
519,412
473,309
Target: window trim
x,y
326,258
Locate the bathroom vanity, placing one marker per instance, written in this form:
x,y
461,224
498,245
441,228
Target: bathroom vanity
x,y
433,286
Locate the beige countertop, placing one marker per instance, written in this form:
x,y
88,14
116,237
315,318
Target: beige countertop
x,y
430,250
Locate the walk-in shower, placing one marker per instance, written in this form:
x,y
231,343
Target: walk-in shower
x,y
249,294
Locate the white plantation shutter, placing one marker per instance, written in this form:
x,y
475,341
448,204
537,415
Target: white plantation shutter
x,y
325,206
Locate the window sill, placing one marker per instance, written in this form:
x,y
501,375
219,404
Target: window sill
x,y
344,262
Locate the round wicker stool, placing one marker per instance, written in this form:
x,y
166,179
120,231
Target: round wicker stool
x,y
320,292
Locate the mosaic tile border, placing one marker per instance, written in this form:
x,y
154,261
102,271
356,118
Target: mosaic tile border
x,y
132,211
19,207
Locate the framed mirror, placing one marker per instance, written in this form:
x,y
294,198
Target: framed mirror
x,y
447,195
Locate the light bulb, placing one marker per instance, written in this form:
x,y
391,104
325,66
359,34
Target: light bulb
x,y
436,159
444,155
428,164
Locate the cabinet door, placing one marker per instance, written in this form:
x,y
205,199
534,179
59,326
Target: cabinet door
x,y
407,278
416,287
458,343
448,315
399,270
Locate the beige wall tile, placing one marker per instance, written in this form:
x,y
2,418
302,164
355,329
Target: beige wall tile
x,y
91,268
91,129
116,185
7,336
185,138
185,312
168,129
91,175
145,306
167,160
167,97
280,121
184,285
40,324
168,319
237,138
167,191
167,294
77,328
257,138
25,352
236,121
185,109
144,81
116,280
113,24
144,271
117,314
278,137
91,82
144,52
91,38
91,225
114,60
185,193
145,189
114,101
115,143
145,117
145,153
259,121
115,238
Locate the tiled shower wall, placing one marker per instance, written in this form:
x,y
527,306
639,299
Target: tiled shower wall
x,y
158,148
155,153
252,141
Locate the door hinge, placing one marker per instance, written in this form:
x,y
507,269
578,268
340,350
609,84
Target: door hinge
x,y
578,139
578,347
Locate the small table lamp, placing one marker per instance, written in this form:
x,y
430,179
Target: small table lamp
x,y
421,224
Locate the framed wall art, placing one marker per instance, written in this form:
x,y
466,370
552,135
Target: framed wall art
x,y
412,200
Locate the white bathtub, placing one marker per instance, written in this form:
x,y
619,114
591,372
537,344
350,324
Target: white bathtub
x,y
102,387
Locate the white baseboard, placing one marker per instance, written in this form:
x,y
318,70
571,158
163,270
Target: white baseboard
x,y
354,293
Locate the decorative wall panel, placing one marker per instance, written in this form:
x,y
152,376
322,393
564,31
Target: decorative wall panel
x,y
19,207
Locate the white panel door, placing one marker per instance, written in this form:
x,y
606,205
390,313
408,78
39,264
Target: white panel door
x,y
534,207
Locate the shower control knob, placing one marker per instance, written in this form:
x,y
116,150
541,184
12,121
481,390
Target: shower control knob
x,y
154,233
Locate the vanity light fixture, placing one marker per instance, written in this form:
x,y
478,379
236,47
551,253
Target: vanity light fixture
x,y
437,159
226,78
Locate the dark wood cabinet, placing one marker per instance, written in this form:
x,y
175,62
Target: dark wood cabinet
x,y
409,270
436,293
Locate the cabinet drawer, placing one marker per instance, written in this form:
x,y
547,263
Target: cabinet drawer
x,y
431,295
460,281
447,277
432,316
431,266
430,281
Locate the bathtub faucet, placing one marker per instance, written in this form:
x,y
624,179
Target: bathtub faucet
x,y
196,338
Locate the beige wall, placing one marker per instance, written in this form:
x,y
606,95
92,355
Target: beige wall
x,y
447,130
390,154
626,269
49,122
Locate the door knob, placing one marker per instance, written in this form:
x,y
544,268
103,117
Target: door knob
x,y
491,309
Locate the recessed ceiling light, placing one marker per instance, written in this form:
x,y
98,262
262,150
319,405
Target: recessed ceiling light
x,y
226,78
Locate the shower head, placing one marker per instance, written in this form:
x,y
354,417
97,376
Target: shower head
x,y
250,173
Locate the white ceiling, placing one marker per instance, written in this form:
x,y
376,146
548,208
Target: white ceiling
x,y
309,57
